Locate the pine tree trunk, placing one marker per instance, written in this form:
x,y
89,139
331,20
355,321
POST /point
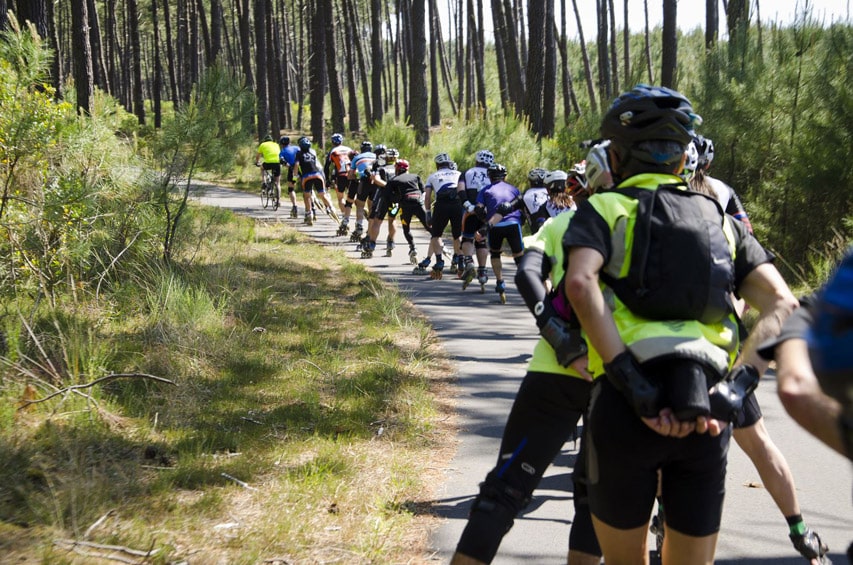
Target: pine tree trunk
x,y
157,86
434,38
98,68
216,29
136,58
587,67
171,62
648,38
669,45
535,82
614,57
335,92
317,78
261,93
245,44
84,82
376,60
549,93
418,69
352,85
712,23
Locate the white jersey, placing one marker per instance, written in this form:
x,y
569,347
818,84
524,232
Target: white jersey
x,y
721,190
477,178
538,204
443,182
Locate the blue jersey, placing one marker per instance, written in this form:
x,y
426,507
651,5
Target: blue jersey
x,y
494,194
362,163
288,155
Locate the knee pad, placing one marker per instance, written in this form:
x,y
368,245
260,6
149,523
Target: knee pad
x,y
494,255
291,189
479,245
348,206
491,517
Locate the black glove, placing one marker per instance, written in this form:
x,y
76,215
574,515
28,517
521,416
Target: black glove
x,y
726,397
626,375
480,212
566,340
504,208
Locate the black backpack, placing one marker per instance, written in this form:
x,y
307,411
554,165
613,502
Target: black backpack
x,y
681,262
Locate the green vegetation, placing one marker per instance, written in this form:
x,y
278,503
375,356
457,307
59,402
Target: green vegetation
x,y
259,397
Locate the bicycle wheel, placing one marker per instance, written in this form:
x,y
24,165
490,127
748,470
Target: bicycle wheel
x,y
276,198
265,196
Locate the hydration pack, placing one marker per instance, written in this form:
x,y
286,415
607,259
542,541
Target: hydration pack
x,y
681,261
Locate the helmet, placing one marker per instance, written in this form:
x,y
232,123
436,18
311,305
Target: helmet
x,y
442,160
337,138
692,161
598,173
366,146
577,183
496,171
284,140
304,143
485,157
401,166
453,166
537,177
267,137
705,151
380,150
392,153
650,113
556,181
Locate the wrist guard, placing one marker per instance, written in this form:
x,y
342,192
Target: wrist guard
x,y
626,375
504,208
480,212
468,206
567,343
726,397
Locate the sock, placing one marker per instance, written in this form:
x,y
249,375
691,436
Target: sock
x,y
796,524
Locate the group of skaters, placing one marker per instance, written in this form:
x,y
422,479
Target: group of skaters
x,y
639,314
638,295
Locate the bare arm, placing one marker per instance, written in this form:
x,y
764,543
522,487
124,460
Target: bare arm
x,y
802,396
765,290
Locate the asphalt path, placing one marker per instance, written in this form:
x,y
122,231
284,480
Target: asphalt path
x,y
491,344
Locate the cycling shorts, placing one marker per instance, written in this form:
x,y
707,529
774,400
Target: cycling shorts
x,y
313,183
365,190
341,183
444,212
510,232
624,457
274,167
749,414
470,224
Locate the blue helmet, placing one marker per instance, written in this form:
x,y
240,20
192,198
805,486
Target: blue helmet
x,y
304,143
337,138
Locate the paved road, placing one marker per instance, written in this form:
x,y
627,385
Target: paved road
x,y
491,344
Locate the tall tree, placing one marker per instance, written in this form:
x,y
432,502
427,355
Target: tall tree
x,y
712,23
587,67
245,43
549,103
334,81
418,69
602,43
171,62
98,67
352,88
35,12
157,86
535,83
648,40
434,105
84,82
217,27
669,45
261,94
377,63
136,57
317,77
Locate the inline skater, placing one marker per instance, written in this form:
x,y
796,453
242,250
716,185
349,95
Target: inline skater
x,y
495,208
287,156
311,179
470,185
407,189
534,198
336,167
382,204
442,206
359,184
654,411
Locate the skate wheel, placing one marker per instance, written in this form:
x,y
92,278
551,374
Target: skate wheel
x,y
503,298
482,289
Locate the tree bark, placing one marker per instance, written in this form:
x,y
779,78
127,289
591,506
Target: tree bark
x,y
418,69
334,81
535,82
376,60
84,82
626,44
261,94
245,44
549,94
648,39
98,67
434,105
136,58
157,86
352,85
587,67
614,58
317,78
669,45
712,23
216,28
604,84
171,63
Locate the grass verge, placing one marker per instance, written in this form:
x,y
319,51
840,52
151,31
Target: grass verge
x,y
306,425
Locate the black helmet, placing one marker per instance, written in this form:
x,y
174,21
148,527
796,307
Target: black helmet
x,y
649,113
380,149
304,143
366,146
536,177
267,137
284,140
496,172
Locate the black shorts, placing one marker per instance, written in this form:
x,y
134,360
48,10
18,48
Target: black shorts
x,y
470,224
341,183
314,183
623,459
381,205
509,232
444,212
274,167
365,190
409,209
352,188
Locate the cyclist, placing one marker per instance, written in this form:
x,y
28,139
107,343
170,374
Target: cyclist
x,y
544,415
442,207
267,157
500,222
311,178
337,166
287,156
656,368
470,185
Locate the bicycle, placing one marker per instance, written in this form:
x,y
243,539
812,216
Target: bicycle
x,y
268,192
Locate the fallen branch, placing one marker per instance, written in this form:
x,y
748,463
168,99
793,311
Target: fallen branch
x,y
76,388
119,552
97,523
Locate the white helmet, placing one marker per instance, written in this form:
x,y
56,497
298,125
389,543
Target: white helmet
x,y
598,173
442,160
485,158
692,161
556,181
